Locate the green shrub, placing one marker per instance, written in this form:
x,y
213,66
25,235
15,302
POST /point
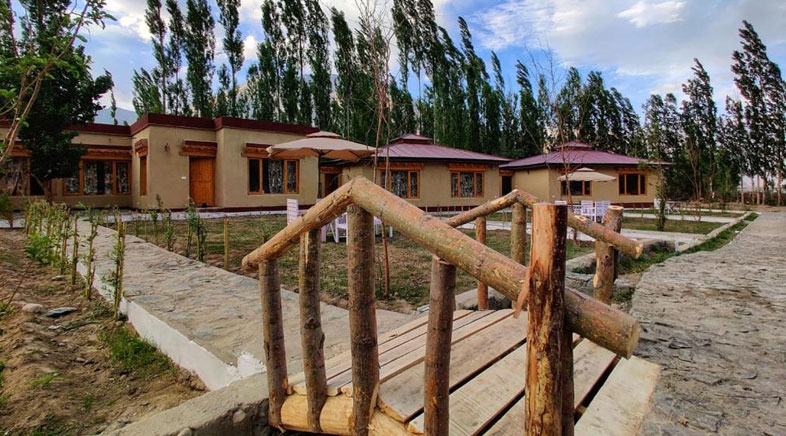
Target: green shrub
x,y
39,248
133,353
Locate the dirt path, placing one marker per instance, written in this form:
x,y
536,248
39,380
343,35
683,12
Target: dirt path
x,y
78,374
715,321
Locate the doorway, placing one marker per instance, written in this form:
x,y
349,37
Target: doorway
x,y
201,185
332,182
507,184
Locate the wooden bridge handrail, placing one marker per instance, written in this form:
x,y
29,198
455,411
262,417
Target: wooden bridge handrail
x,y
627,245
602,324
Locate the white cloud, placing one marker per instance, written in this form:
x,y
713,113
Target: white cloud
x,y
250,47
644,13
130,14
623,40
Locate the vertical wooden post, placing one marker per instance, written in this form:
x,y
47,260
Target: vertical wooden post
x,y
226,243
273,336
311,335
606,257
546,314
566,380
483,289
436,378
362,318
75,251
518,233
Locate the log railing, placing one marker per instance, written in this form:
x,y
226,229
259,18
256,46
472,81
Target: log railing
x,y
452,249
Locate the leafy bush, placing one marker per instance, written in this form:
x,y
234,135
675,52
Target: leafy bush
x,y
39,248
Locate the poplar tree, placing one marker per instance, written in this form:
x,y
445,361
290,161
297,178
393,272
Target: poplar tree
x,y
146,96
345,61
157,27
532,134
274,53
474,72
699,121
177,93
319,61
200,44
294,87
233,47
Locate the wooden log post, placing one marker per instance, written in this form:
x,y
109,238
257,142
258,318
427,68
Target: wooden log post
x,y
546,312
606,257
483,289
362,318
273,338
436,377
226,243
518,233
311,335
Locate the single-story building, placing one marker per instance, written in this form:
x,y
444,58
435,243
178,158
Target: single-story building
x,y
431,176
634,182
219,162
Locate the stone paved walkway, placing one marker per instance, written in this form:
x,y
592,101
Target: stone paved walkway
x,y
716,322
199,314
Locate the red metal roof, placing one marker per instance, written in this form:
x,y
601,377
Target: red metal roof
x,y
416,147
576,154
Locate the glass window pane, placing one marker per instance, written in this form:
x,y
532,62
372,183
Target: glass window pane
x,y
291,176
413,184
275,176
642,184
12,177
479,184
91,176
576,188
467,185
587,188
399,183
621,182
121,171
253,175
633,184
454,190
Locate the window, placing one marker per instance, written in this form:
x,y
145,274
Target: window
x,y
466,184
99,177
404,183
143,175
15,178
633,184
577,187
266,176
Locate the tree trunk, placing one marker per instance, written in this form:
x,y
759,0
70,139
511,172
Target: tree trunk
x,y
362,318
606,258
436,378
273,340
546,324
311,335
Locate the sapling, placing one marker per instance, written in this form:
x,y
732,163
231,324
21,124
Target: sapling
x,y
115,277
64,248
75,250
169,230
201,234
192,219
93,219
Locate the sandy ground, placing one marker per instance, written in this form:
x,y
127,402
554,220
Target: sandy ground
x,y
58,376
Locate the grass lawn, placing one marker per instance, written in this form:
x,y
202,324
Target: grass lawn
x,y
687,212
678,226
410,264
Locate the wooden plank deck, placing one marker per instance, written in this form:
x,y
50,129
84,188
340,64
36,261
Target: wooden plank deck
x,y
487,377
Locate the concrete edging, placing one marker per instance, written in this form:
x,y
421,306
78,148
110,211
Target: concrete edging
x,y
711,235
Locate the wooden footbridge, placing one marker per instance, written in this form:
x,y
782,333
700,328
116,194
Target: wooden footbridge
x,y
564,368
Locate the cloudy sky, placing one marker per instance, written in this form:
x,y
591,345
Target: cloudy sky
x,y
642,47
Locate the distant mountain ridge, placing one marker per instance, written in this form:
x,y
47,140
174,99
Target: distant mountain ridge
x,y
123,116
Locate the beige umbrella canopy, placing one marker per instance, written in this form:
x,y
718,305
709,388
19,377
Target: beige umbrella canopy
x,y
586,175
321,144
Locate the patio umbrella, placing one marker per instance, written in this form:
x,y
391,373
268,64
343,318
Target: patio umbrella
x,y
321,144
586,175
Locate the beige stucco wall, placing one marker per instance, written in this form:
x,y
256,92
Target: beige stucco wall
x,y
543,184
232,171
435,185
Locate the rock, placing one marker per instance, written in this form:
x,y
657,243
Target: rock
x,y
59,278
32,308
238,417
60,311
185,432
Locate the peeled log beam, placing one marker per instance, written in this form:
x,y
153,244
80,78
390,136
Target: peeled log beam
x,y
545,310
273,339
362,317
583,224
483,289
604,325
605,258
436,378
518,234
484,209
311,335
317,216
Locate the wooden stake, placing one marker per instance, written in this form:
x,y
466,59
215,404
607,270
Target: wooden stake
x,y
75,251
546,314
606,257
518,234
273,337
483,289
226,243
436,378
566,380
311,335
362,318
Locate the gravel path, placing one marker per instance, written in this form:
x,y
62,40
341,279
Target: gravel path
x,y
716,322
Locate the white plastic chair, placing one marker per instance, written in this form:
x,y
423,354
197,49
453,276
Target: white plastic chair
x,y
340,227
601,207
588,209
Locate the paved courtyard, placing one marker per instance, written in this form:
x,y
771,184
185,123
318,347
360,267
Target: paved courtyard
x,y
716,322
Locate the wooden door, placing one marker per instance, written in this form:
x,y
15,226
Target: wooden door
x,y
201,181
